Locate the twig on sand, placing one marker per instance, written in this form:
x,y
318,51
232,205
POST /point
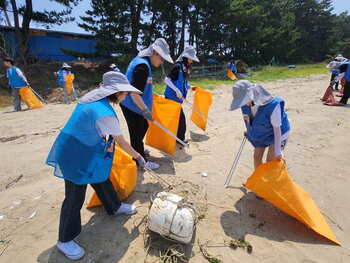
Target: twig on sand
x,y
206,255
16,180
7,244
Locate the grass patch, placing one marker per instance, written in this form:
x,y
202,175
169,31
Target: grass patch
x,y
268,73
261,74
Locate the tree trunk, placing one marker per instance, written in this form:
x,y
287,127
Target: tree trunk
x,y
27,17
184,10
17,29
135,9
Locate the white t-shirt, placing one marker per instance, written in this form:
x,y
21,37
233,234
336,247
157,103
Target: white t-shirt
x,y
108,125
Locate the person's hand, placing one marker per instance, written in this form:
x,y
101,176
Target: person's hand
x,y
140,161
179,95
245,134
246,118
147,114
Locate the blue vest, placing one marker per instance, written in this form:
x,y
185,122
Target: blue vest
x,y
335,71
61,77
79,154
347,72
260,131
116,70
147,95
15,81
181,83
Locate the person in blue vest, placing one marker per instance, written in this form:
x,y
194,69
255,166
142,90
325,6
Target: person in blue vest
x,y
61,81
345,68
137,109
114,67
83,153
232,66
178,84
16,80
333,67
265,119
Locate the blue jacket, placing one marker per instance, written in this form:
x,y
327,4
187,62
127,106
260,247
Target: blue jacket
x,y
61,77
15,78
147,95
347,72
260,130
79,154
116,70
181,83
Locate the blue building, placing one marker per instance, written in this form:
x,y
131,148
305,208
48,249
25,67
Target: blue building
x,y
48,44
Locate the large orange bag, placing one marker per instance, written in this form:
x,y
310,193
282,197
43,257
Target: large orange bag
x,y
272,182
69,83
167,113
201,105
123,177
30,98
231,75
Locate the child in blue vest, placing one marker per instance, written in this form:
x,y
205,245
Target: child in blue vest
x,y
83,154
178,85
136,108
265,119
61,81
16,80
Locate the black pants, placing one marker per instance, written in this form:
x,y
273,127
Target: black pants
x,y
332,78
181,132
137,126
70,220
346,95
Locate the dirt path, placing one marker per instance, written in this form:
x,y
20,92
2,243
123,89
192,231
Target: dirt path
x,y
317,157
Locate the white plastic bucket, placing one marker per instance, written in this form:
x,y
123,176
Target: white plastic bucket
x,y
171,218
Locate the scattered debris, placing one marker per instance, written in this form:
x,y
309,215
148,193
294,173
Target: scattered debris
x,y
206,255
204,174
17,202
241,243
12,138
16,180
32,215
37,197
2,217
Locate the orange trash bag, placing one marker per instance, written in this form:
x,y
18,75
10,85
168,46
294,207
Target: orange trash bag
x,y
272,182
123,177
69,83
29,98
231,75
167,113
201,104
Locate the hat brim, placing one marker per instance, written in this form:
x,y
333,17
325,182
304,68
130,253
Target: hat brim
x,y
164,55
194,58
105,91
240,100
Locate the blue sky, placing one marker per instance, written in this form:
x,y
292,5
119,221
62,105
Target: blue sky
x,y
339,6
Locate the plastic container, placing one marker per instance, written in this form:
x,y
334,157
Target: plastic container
x,y
172,218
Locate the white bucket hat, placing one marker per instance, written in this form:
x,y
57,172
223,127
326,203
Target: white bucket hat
x,y
113,66
189,52
161,47
244,91
113,82
65,65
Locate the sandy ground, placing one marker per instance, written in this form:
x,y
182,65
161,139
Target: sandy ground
x,y
317,157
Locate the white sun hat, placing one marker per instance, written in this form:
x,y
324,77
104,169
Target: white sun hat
x,y
65,65
161,47
113,82
189,52
244,91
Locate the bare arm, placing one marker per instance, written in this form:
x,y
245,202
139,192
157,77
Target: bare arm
x,y
138,101
126,146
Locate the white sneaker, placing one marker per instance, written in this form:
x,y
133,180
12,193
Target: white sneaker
x,y
126,209
71,249
151,165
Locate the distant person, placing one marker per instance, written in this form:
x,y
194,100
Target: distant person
x,y
333,67
16,81
114,67
137,109
62,82
232,66
345,68
83,154
178,84
265,119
